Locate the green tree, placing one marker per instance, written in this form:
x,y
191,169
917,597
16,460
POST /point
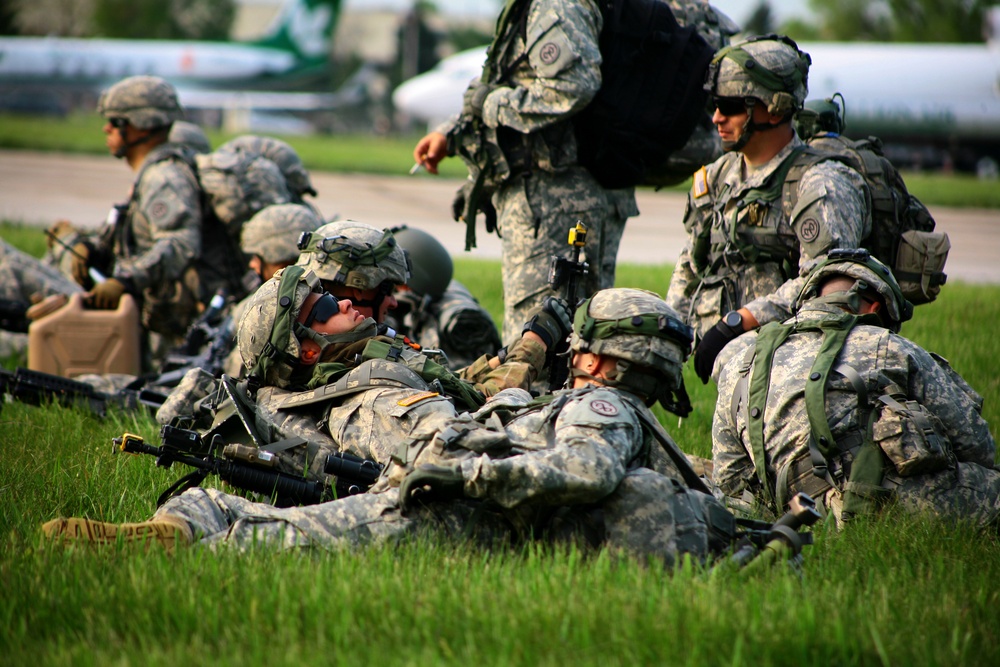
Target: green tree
x,y
901,20
165,19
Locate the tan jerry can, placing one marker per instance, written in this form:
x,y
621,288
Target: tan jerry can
x,y
75,340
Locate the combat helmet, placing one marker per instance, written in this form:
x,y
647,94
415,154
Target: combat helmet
x,y
770,69
147,102
431,268
647,337
869,273
273,233
190,135
820,116
355,255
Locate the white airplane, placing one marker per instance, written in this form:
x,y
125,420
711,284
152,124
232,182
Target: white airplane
x,y
946,95
296,47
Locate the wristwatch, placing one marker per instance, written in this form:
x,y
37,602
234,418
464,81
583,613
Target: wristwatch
x,y
734,320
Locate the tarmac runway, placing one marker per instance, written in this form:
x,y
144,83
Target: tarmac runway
x,y
40,188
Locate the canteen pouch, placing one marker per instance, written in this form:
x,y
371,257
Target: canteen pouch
x,y
910,436
920,263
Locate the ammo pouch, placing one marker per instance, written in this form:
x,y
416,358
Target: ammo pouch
x,y
910,436
920,263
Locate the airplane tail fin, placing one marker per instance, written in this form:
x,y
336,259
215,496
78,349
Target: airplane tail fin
x,y
305,28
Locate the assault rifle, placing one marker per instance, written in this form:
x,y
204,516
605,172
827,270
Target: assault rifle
x,y
35,387
763,544
206,345
565,278
249,468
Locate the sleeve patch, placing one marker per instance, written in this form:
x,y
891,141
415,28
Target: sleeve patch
x,y
603,408
700,186
552,53
809,230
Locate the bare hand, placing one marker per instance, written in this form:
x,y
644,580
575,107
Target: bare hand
x,y
430,151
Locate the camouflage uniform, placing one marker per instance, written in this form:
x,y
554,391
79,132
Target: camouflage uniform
x,y
959,481
745,250
568,470
835,214
540,189
22,280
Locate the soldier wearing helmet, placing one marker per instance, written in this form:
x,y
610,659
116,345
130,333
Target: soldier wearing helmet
x,y
749,243
151,246
358,262
835,403
579,467
436,310
190,135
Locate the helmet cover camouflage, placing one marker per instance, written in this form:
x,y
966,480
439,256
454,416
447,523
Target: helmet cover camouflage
x,y
431,267
147,102
273,232
355,255
634,325
771,69
190,135
280,153
238,183
267,324
869,272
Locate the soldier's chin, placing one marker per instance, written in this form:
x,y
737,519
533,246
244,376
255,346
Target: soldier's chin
x,y
730,146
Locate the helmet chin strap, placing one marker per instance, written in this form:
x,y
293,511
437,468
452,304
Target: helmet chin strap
x,y
122,150
749,127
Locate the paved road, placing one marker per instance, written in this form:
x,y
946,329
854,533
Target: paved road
x,y
39,188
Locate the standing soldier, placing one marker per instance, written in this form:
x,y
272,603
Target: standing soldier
x,y
746,251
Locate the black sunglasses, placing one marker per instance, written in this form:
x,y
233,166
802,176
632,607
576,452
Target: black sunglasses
x,y
730,106
324,308
118,122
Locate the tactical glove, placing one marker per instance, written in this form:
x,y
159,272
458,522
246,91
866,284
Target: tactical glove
x,y
711,344
430,483
475,98
80,262
106,295
553,323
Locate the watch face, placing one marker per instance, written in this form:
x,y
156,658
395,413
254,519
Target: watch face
x,y
734,319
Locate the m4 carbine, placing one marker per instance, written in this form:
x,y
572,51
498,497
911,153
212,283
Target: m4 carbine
x,y
249,468
34,387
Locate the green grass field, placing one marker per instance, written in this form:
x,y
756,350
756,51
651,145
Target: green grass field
x,y
893,591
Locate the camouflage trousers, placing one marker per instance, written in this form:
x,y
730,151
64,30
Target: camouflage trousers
x,y
534,216
647,516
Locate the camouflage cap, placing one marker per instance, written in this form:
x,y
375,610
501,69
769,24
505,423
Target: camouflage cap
x,y
771,69
273,233
190,135
869,273
431,268
634,325
283,155
147,102
355,255
265,336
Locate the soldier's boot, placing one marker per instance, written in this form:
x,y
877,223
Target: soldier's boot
x,y
166,531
